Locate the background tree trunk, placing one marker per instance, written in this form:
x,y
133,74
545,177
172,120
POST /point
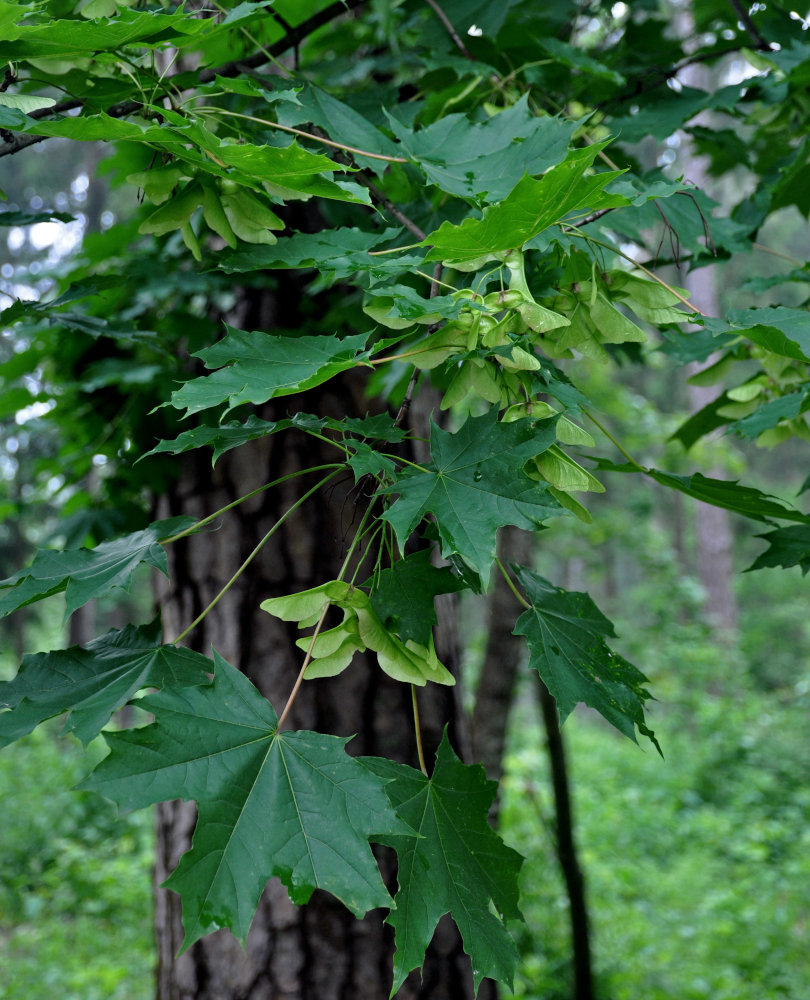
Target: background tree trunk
x,y
714,538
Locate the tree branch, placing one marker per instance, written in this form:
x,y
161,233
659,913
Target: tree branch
x,y
746,21
234,68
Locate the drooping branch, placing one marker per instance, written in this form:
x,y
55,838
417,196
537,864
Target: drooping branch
x,y
15,143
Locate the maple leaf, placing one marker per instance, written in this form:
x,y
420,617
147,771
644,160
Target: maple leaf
x,y
87,573
476,484
404,595
255,366
92,681
532,206
293,805
566,635
453,863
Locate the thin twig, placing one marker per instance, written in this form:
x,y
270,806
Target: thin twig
x,y
387,204
746,21
314,136
451,31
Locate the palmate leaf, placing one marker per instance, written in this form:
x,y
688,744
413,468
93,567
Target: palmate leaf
x,y
343,123
72,39
254,367
454,863
531,207
470,159
776,328
87,573
336,253
771,413
91,682
224,437
475,485
230,435
566,635
745,500
293,805
404,595
787,547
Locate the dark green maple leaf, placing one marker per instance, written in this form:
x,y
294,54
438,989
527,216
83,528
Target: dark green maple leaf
x,y
454,863
729,494
771,413
87,573
474,485
229,435
404,594
92,681
293,805
787,547
336,253
255,366
566,635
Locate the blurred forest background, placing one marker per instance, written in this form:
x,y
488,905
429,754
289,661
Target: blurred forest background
x,y
696,865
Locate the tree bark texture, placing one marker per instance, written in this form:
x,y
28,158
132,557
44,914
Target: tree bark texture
x,y
319,951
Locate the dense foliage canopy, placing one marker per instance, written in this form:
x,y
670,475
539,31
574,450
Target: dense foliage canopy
x,y
467,198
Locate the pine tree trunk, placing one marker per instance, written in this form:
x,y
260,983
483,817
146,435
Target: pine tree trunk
x,y
317,952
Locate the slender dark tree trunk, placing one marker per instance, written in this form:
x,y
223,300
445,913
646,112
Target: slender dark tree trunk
x,y
567,851
490,717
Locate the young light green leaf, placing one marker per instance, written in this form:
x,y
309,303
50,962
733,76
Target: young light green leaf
x,y
566,635
293,805
25,102
254,367
456,864
87,573
475,484
92,681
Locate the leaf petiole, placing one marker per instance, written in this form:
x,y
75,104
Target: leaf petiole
x,y
256,551
613,441
223,510
511,584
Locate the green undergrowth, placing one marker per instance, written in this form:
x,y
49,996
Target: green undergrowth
x,y
75,884
697,865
